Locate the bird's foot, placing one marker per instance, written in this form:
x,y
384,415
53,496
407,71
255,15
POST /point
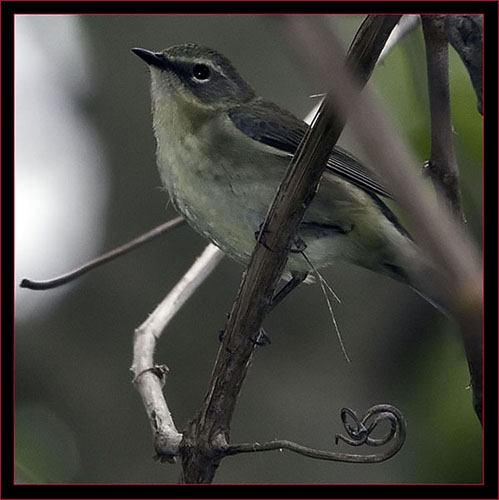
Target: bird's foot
x,y
297,245
261,236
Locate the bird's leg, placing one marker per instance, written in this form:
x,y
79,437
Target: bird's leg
x,y
221,333
298,245
296,279
260,236
262,338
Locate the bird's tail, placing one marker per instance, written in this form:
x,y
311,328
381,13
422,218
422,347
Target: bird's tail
x,y
430,286
411,266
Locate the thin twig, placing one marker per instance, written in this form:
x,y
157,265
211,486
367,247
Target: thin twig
x,y
361,435
442,166
465,33
99,261
148,377
200,456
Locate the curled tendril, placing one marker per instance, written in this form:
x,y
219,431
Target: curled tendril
x,y
360,432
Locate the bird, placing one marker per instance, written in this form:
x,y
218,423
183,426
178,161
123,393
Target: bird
x,y
222,152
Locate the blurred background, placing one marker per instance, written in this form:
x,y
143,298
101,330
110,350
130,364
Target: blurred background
x,y
86,181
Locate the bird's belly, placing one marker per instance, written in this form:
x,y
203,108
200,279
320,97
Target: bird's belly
x,y
223,203
227,203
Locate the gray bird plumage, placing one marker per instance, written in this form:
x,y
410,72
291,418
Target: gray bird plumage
x,y
222,151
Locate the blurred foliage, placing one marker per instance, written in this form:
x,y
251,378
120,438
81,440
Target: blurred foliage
x,y
45,452
72,363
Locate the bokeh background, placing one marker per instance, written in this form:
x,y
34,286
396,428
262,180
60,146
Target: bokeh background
x,y
86,181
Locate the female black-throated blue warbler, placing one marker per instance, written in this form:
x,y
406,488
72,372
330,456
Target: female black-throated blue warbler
x,y
222,151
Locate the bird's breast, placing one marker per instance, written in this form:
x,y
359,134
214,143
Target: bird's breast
x,y
215,180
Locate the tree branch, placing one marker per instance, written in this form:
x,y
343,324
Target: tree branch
x,y
200,449
99,261
442,167
150,378
465,33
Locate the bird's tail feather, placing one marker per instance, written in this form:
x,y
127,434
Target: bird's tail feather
x,y
423,276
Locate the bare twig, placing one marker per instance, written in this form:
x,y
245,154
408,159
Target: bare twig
x,y
358,435
200,449
99,261
465,33
148,377
442,167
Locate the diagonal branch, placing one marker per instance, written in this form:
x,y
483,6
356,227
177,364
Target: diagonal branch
x,y
200,448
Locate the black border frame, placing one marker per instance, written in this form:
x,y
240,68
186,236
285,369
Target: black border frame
x,y
8,490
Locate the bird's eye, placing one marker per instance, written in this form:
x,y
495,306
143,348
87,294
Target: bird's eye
x,y
201,72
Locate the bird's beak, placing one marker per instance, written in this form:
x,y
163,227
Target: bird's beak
x,y
152,58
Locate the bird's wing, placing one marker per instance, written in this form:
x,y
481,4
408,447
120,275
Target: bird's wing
x,y
258,122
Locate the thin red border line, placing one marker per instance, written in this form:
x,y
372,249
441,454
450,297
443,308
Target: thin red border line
x,y
483,249
14,248
483,246
195,13
291,1
13,272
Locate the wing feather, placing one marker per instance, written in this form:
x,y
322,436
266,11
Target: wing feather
x,y
257,121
